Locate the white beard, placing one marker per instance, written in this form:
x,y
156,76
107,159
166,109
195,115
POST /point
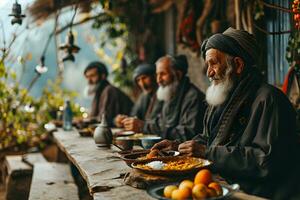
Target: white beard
x,y
90,90
165,93
217,94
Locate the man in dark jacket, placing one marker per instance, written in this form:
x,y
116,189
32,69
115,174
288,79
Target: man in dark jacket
x,y
183,104
108,99
249,127
147,105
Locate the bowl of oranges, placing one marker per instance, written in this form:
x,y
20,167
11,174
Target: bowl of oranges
x,y
202,187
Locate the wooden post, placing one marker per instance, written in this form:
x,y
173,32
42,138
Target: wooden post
x,y
237,14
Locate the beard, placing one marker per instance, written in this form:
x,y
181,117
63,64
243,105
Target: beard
x,y
90,90
165,93
217,94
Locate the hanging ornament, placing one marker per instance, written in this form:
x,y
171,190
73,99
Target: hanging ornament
x,y
69,47
16,14
41,68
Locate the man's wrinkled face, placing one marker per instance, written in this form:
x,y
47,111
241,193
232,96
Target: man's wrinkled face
x,y
220,71
145,82
216,66
164,73
92,76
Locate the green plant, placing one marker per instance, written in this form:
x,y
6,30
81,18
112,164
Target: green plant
x,y
22,117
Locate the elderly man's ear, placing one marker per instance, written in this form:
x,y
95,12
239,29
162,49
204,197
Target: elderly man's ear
x,y
239,63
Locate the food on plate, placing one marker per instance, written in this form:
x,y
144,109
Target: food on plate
x,y
189,189
178,164
169,189
217,187
153,154
158,165
186,184
199,191
179,194
203,176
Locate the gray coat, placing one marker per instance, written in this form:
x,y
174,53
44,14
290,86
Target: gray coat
x,y
180,118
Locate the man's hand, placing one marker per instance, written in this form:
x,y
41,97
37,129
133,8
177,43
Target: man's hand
x,y
166,145
133,124
119,119
192,148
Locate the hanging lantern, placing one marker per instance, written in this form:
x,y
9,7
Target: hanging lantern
x,y
16,14
69,47
41,69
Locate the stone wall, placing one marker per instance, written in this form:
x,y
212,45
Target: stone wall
x,y
196,70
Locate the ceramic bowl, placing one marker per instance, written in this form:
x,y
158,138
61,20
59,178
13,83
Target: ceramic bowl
x,y
148,142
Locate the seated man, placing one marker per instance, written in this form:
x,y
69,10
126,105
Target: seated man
x,y
249,127
183,104
108,99
147,105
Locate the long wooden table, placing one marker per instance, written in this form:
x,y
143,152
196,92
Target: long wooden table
x,y
101,169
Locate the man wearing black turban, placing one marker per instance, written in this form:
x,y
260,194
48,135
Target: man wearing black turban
x,y
250,126
147,106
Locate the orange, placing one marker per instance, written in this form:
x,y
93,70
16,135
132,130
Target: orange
x,y
199,191
217,187
211,192
169,189
181,194
203,176
186,184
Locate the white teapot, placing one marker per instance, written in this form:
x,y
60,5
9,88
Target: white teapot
x,y
102,134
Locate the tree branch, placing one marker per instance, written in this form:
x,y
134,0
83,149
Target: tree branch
x,y
271,33
276,7
78,23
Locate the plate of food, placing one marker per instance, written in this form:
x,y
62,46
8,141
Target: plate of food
x,y
164,191
171,165
143,155
202,186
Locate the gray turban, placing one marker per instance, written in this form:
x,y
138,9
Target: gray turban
x,y
234,42
143,69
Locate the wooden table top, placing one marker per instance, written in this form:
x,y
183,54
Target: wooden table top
x,y
101,169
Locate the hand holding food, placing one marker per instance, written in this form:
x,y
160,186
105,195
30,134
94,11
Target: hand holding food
x,y
166,145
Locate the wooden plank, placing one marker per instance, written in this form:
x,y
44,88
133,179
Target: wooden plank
x,y
17,178
52,181
98,166
122,192
33,158
15,166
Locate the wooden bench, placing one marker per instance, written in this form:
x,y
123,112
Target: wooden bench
x,y
17,174
52,181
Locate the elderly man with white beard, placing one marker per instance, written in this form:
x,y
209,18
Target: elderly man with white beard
x,y
250,126
183,104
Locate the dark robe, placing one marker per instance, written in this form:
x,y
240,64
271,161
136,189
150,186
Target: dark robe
x,y
181,117
146,107
111,101
252,139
